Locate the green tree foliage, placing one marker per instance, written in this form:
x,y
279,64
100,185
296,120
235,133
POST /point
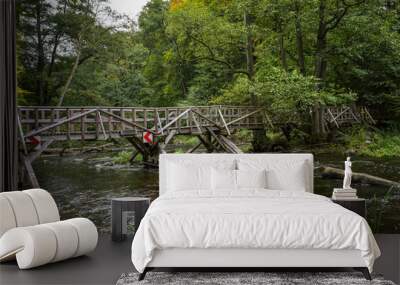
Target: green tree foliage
x,y
58,40
293,57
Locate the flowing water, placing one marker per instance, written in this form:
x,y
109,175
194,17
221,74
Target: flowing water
x,y
82,188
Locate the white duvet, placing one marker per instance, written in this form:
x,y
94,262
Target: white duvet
x,y
250,219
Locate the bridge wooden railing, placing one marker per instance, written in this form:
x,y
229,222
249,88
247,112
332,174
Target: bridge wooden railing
x,y
71,123
347,115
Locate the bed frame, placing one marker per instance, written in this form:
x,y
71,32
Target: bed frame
x,y
236,259
251,259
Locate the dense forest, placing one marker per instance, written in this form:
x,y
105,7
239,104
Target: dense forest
x,y
291,56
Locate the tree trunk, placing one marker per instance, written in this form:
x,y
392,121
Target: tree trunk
x,y
299,40
69,80
320,68
56,42
331,172
40,52
260,142
249,51
51,66
282,51
318,126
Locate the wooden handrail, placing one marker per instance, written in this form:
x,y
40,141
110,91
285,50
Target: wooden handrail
x,y
174,120
63,121
244,117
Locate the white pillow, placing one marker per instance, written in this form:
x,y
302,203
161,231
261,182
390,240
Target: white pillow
x,y
290,176
183,177
251,178
285,174
223,179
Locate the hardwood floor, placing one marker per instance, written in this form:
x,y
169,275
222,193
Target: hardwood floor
x,y
111,259
389,262
103,266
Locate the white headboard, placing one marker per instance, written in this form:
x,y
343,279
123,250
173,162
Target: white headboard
x,y
211,158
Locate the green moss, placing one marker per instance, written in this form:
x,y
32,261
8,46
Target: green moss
x,y
246,148
122,157
186,140
139,157
243,135
179,150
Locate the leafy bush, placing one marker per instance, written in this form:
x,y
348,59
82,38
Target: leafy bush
x,y
377,144
377,208
289,96
393,106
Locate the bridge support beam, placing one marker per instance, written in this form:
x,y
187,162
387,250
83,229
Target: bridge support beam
x,y
212,140
149,152
27,174
167,139
207,142
27,170
223,142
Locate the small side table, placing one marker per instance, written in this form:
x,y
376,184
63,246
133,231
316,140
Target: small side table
x,y
357,205
120,209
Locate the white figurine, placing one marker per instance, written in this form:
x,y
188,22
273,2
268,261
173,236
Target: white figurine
x,y
347,174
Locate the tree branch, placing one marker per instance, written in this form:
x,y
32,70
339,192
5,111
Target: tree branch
x,y
227,64
214,59
210,51
334,22
83,59
342,7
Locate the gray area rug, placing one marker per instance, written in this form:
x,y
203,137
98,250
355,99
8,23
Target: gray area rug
x,y
236,278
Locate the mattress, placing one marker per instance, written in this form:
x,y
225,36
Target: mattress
x,y
250,219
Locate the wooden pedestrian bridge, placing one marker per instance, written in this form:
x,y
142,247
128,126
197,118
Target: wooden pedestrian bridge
x,y
148,129
101,123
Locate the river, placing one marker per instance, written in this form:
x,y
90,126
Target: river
x,y
82,189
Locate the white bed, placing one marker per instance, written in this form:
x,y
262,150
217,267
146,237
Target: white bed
x,y
198,223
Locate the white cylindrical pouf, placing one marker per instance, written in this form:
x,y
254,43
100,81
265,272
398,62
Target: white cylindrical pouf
x,y
45,205
7,218
67,240
87,234
33,246
23,208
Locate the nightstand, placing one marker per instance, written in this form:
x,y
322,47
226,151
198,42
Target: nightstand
x,y
357,205
121,210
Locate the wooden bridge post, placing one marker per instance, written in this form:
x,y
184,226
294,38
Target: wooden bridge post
x,y
97,125
149,152
83,126
145,118
68,124
206,141
36,118
110,128
134,120
122,114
